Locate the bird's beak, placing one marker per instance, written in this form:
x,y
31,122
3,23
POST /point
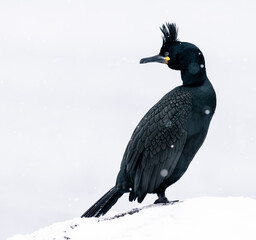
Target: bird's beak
x,y
157,58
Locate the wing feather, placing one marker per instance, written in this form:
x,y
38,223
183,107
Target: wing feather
x,y
157,142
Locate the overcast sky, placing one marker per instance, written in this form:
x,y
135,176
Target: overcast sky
x,y
72,91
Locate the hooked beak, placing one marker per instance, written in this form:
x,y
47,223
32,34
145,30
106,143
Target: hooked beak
x,y
157,58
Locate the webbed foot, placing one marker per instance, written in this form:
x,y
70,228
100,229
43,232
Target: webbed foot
x,y
162,200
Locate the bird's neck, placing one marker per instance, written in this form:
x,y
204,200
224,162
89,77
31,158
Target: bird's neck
x,y
194,77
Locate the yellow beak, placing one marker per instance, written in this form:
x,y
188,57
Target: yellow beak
x,y
166,59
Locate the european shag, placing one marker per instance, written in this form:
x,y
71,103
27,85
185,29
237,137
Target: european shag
x,y
169,135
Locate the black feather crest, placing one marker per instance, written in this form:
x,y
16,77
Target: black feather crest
x,y
170,33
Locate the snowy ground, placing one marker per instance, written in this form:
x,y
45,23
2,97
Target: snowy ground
x,y
199,219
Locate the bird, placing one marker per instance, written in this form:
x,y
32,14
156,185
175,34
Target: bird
x,y
167,138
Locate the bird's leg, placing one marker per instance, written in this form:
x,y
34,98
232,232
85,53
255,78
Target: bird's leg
x,y
161,198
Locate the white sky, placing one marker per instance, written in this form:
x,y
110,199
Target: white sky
x,y
72,91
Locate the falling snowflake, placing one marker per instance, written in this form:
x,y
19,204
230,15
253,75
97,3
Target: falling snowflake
x,y
164,172
207,111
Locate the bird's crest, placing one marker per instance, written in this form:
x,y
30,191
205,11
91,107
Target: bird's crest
x,y
170,33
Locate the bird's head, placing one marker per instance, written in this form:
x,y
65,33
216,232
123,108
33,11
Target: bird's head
x,y
182,56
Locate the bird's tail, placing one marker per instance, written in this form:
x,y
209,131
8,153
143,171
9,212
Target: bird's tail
x,y
102,206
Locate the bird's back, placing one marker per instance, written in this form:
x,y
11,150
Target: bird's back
x,y
156,144
166,140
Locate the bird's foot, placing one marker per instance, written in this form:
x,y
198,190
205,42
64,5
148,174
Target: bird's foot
x,y
162,200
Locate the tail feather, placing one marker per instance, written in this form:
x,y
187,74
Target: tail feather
x,y
102,206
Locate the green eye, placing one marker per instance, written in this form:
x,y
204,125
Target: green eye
x,y
166,54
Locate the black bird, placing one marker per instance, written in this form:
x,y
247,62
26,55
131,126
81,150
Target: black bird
x,y
169,135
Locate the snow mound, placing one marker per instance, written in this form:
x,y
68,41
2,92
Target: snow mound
x,y
200,218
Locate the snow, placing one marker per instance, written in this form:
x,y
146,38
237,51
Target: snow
x,y
164,172
207,111
199,218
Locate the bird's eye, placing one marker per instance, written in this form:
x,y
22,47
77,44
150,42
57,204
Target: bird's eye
x,y
166,54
